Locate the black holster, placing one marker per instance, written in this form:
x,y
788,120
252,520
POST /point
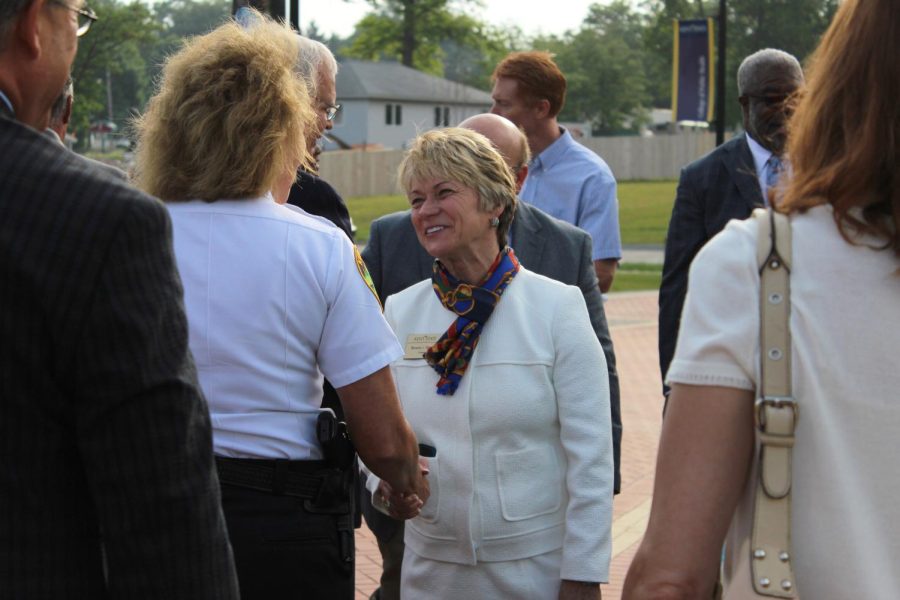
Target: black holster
x,y
337,495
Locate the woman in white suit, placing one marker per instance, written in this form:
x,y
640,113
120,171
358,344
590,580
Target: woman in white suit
x,y
503,376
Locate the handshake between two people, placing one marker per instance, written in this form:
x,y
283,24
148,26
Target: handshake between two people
x,y
400,505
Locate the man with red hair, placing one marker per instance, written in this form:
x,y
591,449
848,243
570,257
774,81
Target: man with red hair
x,y
565,179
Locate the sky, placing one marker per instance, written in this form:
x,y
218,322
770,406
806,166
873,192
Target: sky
x,y
340,16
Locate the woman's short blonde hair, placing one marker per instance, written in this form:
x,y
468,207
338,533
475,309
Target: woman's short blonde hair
x,y
466,157
230,117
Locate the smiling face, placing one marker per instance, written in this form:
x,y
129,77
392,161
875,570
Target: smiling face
x,y
451,227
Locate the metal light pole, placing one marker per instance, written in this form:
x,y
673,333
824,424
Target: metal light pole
x,y
288,11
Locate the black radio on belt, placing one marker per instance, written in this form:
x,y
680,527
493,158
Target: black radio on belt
x,y
336,445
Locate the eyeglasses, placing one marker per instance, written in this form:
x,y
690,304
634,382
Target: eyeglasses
x,y
331,111
86,17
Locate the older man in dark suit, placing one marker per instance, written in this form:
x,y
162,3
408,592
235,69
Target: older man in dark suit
x,y
107,485
545,245
318,68
729,182
57,128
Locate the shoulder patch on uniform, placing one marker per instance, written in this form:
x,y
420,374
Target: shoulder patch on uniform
x,y
364,273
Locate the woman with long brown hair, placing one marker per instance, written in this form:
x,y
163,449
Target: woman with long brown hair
x,y
843,202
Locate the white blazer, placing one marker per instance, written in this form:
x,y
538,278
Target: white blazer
x,y
524,455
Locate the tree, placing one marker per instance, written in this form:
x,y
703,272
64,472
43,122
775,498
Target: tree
x,y
604,67
182,19
110,64
472,60
412,32
335,43
657,42
790,25
186,18
794,26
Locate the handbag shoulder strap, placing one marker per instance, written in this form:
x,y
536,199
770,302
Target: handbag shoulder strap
x,y
776,413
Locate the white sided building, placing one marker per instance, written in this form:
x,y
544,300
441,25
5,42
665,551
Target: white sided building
x,y
385,104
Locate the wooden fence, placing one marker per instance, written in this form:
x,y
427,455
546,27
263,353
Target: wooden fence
x,y
374,172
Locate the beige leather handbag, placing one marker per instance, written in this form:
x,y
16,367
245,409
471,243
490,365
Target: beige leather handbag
x,y
763,560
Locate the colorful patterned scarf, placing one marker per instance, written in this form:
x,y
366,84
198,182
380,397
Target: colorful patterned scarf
x,y
450,355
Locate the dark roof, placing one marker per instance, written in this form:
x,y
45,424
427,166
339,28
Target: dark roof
x,y
362,80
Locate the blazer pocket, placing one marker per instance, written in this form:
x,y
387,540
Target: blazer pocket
x,y
529,483
431,509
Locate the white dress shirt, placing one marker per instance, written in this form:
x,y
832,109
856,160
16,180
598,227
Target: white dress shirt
x,y
761,158
275,298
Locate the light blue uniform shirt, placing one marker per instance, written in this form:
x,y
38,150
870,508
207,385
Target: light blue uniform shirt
x,y
572,183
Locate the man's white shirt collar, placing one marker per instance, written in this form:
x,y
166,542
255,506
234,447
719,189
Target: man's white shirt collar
x,y
760,156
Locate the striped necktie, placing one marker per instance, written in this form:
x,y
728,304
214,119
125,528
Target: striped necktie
x,y
774,168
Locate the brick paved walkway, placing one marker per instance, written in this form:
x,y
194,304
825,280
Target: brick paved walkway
x,y
632,319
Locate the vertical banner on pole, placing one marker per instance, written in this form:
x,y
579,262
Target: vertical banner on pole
x,y
693,80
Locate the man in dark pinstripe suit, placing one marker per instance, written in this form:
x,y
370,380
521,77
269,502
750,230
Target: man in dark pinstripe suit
x,y
107,486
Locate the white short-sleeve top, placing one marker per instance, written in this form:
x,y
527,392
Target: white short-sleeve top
x,y
275,298
845,324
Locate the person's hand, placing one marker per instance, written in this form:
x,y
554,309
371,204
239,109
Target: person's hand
x,y
399,505
423,489
579,590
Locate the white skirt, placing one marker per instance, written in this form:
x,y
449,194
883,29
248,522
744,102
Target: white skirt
x,y
533,578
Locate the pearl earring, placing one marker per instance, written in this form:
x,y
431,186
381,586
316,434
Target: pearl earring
x,y
495,222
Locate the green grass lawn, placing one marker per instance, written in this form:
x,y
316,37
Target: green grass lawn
x,y
633,277
365,209
644,210
115,155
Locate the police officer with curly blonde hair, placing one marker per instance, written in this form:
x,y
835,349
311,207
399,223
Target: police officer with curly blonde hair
x,y
276,299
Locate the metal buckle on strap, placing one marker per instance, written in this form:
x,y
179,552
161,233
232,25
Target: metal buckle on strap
x,y
778,402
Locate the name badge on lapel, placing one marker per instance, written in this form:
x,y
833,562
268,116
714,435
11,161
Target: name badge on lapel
x,y
417,344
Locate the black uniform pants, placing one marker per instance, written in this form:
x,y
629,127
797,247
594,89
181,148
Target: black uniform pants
x,y
283,551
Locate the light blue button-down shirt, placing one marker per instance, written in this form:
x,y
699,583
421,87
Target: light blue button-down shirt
x,y
572,183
